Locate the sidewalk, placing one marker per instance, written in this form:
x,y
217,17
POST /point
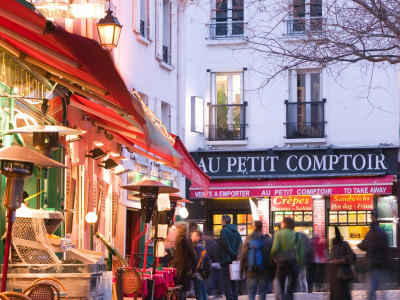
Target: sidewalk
x,y
356,295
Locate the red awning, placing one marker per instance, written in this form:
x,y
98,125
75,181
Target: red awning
x,y
284,187
70,59
127,135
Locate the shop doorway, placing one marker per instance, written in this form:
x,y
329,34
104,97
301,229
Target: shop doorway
x,y
133,226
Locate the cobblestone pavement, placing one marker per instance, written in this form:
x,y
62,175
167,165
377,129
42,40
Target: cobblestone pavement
x,y
357,295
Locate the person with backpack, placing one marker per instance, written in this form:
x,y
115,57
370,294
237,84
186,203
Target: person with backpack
x,y
287,251
254,262
230,244
202,266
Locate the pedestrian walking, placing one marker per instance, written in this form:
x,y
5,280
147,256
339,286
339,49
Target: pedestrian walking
x,y
214,281
287,251
302,283
255,263
203,266
315,269
184,260
376,245
230,244
343,271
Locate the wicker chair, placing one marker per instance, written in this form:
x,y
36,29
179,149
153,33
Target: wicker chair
x,y
43,291
57,283
129,281
16,296
3,297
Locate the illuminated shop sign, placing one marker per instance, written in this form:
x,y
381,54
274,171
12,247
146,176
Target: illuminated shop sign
x,y
297,163
352,202
291,203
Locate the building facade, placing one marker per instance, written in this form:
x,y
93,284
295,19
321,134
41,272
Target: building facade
x,y
317,144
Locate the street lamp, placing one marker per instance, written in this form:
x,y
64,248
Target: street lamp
x,y
109,30
16,163
91,219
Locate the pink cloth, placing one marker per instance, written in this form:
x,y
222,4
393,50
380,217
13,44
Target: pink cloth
x,y
160,284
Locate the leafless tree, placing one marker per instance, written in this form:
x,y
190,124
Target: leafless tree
x,y
323,33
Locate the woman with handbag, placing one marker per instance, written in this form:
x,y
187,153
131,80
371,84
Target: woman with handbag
x,y
343,270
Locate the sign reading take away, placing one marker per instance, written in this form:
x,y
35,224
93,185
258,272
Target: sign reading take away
x,y
352,202
291,203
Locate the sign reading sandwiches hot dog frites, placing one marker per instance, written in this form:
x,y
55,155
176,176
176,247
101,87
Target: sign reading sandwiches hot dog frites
x,y
352,202
291,203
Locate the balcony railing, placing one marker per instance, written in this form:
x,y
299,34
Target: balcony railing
x,y
304,25
305,119
227,122
227,23
142,26
227,30
165,54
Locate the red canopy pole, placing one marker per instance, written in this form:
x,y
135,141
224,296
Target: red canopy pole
x,y
10,221
134,242
145,256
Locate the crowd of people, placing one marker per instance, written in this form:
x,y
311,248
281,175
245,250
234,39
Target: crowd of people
x,y
284,264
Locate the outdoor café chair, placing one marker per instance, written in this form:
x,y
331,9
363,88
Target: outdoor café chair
x,y
128,281
57,283
16,296
43,291
3,297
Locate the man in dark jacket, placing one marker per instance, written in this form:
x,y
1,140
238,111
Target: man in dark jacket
x,y
230,244
257,267
376,245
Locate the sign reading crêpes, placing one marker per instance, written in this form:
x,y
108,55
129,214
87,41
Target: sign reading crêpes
x,y
291,203
352,202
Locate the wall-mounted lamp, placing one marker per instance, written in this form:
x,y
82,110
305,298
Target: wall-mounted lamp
x,y
109,30
109,164
97,153
73,138
91,219
182,212
98,143
120,169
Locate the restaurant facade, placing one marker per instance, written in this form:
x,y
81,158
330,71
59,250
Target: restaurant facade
x,y
318,187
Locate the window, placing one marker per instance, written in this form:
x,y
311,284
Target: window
x,y
227,109
166,29
306,17
305,110
227,19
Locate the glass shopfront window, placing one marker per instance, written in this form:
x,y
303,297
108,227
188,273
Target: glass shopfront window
x,y
243,221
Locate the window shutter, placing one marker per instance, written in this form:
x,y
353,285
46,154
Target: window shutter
x,y
136,15
159,29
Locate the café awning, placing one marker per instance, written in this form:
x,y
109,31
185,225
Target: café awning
x,y
129,136
81,65
381,185
86,69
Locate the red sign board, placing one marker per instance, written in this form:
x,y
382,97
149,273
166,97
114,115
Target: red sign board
x,y
288,187
291,203
352,202
319,217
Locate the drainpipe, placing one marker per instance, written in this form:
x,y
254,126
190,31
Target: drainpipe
x,y
180,67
